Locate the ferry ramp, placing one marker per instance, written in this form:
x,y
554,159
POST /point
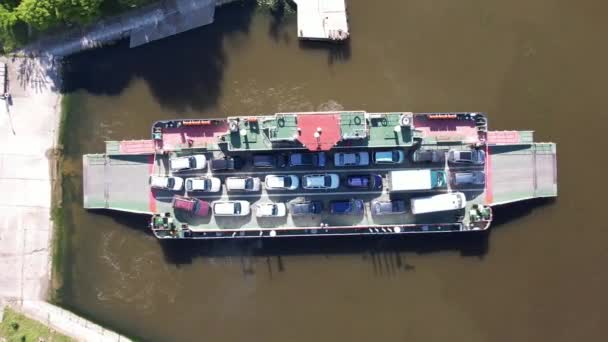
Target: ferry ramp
x,y
517,172
118,182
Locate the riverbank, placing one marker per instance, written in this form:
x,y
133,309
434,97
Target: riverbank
x,y
140,25
15,326
29,151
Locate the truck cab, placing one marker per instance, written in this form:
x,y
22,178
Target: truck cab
x,y
417,180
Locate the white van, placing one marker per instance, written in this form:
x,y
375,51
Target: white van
x,y
443,202
243,184
231,208
193,162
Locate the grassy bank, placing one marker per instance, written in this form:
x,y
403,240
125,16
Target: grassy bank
x,y
17,327
58,215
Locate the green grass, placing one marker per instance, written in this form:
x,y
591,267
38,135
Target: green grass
x,y
16,327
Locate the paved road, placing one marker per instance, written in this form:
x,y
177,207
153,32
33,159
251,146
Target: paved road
x,y
27,135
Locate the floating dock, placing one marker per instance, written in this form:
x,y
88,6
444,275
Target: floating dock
x,y
515,168
322,20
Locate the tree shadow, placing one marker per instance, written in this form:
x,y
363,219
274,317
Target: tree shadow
x,y
39,73
280,14
183,72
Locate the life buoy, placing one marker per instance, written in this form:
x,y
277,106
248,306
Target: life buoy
x,y
233,126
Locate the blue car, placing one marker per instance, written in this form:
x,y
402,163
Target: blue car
x,y
368,181
307,159
348,207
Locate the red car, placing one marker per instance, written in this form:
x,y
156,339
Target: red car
x,y
192,206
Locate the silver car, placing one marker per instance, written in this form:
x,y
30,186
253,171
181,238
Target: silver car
x,y
321,181
351,159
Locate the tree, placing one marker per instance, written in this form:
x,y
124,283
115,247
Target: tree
x,y
78,11
44,14
40,14
8,19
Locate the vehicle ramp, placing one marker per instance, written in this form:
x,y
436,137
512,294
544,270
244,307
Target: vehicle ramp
x,y
520,171
118,182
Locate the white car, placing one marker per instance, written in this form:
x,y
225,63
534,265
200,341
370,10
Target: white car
x,y
231,208
322,181
207,184
167,183
270,210
351,159
281,182
243,184
194,162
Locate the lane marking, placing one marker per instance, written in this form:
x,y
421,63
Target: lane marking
x,y
151,197
353,171
223,195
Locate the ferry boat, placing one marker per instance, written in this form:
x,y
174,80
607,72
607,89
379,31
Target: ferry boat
x,y
320,173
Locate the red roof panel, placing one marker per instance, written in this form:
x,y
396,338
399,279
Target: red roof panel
x,y
329,135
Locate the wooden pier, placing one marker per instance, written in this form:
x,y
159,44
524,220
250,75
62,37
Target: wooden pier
x,y
322,20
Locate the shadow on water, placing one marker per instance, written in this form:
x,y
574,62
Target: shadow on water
x,y
384,252
504,214
180,74
337,52
138,222
281,12
184,252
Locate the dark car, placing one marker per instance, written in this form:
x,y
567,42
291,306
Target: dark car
x,y
300,208
269,160
307,159
348,207
369,181
429,156
477,157
228,163
388,207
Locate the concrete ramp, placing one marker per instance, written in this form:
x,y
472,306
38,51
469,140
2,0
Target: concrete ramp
x,y
179,16
520,171
117,182
322,19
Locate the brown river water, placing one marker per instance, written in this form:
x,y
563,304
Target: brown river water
x,y
540,275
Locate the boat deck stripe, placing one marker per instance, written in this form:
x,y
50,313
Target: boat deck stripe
x,y
152,198
488,166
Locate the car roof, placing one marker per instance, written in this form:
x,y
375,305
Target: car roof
x,y
266,208
180,162
385,156
315,180
224,207
184,203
